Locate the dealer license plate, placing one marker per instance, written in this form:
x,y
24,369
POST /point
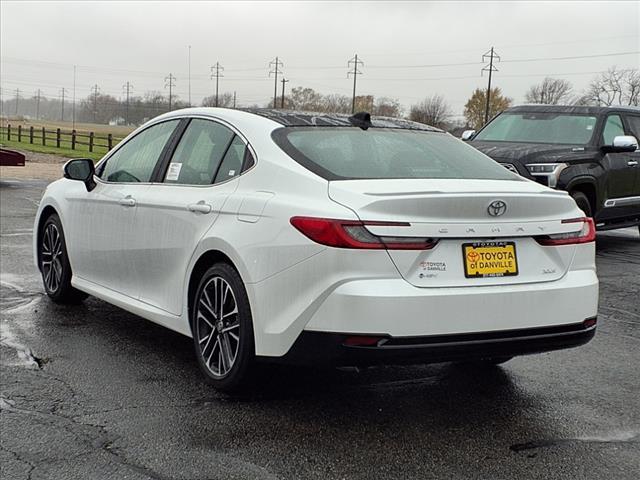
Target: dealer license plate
x,y
489,259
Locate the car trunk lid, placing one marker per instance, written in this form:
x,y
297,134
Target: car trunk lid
x,y
457,213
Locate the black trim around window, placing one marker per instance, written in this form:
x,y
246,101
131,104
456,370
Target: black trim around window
x,y
165,157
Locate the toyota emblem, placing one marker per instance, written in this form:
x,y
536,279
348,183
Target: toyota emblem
x,y
497,208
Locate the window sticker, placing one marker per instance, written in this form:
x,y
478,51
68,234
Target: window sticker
x,y
232,173
173,172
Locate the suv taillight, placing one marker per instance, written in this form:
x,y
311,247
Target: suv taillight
x,y
354,234
586,234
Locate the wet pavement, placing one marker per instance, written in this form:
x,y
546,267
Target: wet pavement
x,y
93,392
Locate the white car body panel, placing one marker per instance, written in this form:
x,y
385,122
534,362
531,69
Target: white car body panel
x,y
140,258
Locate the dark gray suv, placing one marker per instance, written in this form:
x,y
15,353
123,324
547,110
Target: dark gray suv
x,y
591,152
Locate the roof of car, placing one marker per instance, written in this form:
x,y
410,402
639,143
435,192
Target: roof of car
x,y
291,118
576,109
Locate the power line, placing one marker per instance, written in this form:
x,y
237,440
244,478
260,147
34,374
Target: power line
x,y
489,68
274,67
218,73
354,62
315,67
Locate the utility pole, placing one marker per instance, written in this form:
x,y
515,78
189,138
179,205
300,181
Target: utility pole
x,y
37,104
170,83
62,113
95,89
282,98
490,68
354,62
218,69
127,90
275,66
234,99
189,75
17,99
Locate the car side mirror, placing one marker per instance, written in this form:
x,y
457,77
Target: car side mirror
x,y
622,143
81,169
468,135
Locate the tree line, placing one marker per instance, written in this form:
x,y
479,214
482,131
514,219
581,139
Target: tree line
x,y
613,87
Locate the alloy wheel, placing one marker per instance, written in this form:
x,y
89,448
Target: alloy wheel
x,y
52,257
218,326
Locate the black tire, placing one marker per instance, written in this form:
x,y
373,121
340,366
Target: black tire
x,y
583,203
214,335
54,263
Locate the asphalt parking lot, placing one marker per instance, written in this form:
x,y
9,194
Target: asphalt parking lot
x,y
93,392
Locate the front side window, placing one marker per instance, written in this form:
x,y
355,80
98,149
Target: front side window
x,y
199,153
378,153
534,127
634,125
612,128
135,160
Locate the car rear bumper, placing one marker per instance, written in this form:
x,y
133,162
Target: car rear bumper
x,y
313,348
398,309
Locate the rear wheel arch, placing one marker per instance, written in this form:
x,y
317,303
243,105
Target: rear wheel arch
x,y
204,262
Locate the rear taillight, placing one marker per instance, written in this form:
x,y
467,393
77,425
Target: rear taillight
x,y
586,234
354,234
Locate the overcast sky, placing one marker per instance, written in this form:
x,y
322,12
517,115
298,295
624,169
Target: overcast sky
x,y
400,42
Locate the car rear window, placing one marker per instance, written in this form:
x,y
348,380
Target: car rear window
x,y
346,153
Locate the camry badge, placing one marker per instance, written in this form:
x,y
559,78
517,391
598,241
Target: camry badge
x,y
497,208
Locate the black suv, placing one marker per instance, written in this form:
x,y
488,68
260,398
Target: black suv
x,y
591,152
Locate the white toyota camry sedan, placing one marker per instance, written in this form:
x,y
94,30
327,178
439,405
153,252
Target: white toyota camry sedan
x,y
320,239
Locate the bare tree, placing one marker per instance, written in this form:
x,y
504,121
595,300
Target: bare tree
x,y
615,87
386,107
225,100
552,91
433,110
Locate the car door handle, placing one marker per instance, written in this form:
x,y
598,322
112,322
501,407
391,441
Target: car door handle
x,y
632,163
128,201
200,207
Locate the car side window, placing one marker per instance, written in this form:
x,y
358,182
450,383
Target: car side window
x,y
199,153
136,159
612,128
634,125
231,165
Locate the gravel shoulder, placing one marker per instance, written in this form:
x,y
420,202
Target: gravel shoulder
x,y
38,166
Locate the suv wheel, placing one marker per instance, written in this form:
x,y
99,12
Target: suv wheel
x,y
583,203
222,328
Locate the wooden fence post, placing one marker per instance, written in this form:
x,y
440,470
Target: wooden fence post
x,y
19,133
91,141
57,138
109,142
8,131
44,136
73,139
31,134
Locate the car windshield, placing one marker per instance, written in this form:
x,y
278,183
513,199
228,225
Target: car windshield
x,y
352,153
534,127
